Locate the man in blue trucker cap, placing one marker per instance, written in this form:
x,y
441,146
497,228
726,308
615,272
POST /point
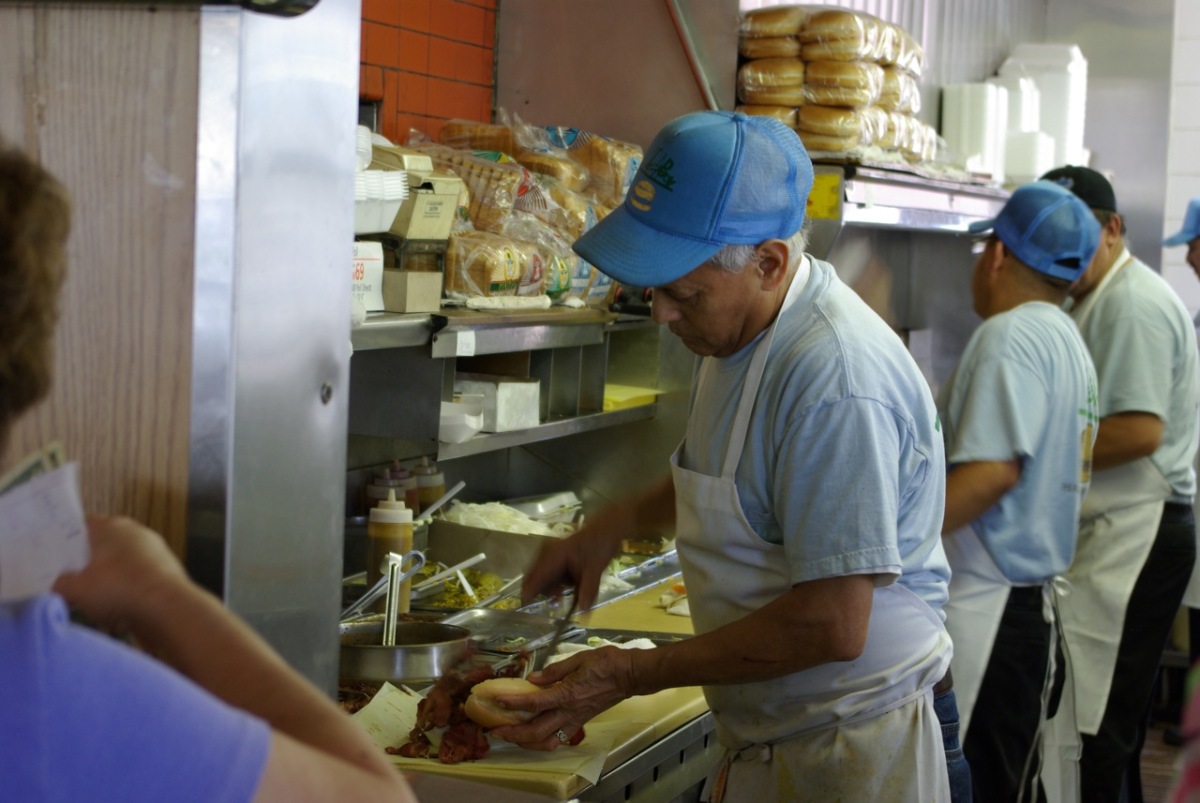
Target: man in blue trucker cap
x,y
806,499
1137,539
1189,235
1019,418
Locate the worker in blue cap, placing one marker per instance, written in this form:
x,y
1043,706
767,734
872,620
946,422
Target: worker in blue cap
x,y
806,499
1019,416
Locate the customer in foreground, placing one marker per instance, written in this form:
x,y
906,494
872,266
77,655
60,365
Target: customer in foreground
x,y
216,715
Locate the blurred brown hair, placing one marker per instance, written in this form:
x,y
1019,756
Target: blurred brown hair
x,y
35,218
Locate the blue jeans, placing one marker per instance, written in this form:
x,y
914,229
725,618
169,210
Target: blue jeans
x,y
946,707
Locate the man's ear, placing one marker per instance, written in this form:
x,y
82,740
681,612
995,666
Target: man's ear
x,y
998,255
772,263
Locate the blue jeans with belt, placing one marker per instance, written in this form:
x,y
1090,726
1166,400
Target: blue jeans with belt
x,y
945,706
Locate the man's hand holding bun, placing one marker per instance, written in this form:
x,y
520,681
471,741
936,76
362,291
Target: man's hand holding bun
x,y
482,707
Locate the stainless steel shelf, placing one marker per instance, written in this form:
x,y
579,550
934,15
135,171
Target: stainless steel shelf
x,y
390,330
490,442
853,195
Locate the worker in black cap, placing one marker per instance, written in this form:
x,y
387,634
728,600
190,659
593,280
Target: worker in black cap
x,y
1136,541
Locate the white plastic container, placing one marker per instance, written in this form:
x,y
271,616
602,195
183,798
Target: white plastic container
x,y
1060,71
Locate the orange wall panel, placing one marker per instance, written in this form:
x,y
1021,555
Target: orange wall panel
x,y
427,61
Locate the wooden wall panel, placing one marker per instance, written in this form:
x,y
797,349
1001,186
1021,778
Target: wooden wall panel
x,y
106,98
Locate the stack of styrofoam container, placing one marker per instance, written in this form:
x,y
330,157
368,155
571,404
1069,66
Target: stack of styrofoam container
x,y
974,122
1060,72
1028,151
377,198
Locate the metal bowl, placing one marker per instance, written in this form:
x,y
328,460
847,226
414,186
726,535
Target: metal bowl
x,y
423,650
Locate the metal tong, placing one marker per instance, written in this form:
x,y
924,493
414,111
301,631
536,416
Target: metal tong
x,y
543,653
393,560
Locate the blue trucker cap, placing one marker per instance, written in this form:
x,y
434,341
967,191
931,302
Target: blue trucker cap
x,y
1048,228
1191,225
709,179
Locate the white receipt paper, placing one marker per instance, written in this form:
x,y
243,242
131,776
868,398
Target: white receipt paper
x,y
42,533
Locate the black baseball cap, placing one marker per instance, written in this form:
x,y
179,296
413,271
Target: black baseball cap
x,y
1091,187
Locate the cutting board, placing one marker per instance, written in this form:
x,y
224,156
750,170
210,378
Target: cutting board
x,y
634,724
640,612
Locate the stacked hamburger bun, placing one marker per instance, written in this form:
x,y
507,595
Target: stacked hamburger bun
x,y
843,79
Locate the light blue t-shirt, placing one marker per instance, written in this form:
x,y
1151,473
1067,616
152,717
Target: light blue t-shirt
x,y
86,718
1144,347
1025,389
843,463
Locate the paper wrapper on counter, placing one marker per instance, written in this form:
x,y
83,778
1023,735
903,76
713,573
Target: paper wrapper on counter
x,y
784,114
901,92
770,47
772,82
480,263
773,22
843,83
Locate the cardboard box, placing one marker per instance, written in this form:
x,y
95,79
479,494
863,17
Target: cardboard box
x,y
428,212
366,275
509,402
411,291
508,554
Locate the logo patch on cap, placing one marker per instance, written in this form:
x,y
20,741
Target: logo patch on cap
x,y
642,195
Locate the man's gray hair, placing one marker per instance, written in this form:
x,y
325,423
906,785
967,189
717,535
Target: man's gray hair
x,y
734,258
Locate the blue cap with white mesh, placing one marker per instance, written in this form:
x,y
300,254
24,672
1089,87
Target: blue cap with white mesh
x,y
709,179
1048,228
1191,225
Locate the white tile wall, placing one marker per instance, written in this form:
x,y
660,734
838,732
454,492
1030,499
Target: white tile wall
x,y
1183,149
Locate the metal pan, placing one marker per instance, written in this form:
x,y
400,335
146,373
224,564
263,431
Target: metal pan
x,y
422,653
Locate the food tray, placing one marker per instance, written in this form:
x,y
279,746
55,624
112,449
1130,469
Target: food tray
x,y
507,632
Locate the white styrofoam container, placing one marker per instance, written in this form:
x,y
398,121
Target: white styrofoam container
x,y
1060,72
974,124
508,402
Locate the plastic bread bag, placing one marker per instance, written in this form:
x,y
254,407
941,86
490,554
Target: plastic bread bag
x,y
572,174
861,126
561,263
570,213
841,35
842,83
825,143
910,56
771,82
480,263
468,135
784,114
770,47
776,21
611,163
924,144
901,93
497,184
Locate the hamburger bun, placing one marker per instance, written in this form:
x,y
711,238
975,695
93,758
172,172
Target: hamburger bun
x,y
774,21
481,707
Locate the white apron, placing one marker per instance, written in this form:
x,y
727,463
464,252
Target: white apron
x,y
1191,595
1118,523
978,594
790,725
